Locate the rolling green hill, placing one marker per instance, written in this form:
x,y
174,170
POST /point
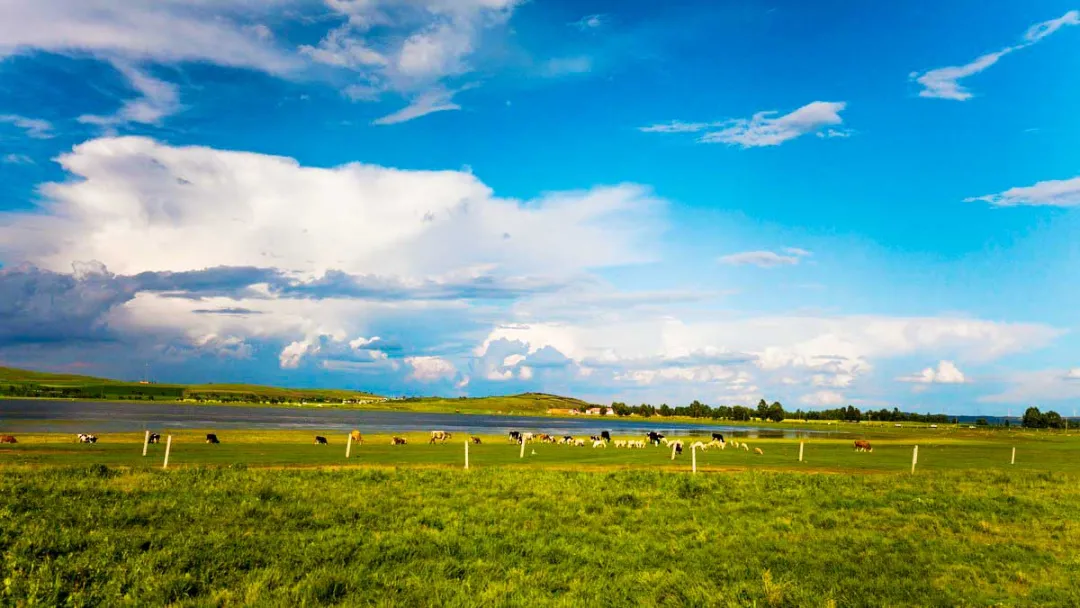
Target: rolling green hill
x,y
25,383
19,383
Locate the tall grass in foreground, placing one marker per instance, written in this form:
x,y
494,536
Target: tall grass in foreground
x,y
415,537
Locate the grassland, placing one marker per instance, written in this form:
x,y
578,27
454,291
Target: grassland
x,y
504,536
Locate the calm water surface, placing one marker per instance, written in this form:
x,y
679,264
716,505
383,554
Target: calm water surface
x,y
31,416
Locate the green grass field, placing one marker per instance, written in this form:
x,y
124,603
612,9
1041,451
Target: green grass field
x,y
956,450
269,518
504,536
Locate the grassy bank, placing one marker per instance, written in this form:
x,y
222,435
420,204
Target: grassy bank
x,y
502,536
938,451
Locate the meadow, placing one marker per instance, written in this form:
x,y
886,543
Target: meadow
x,y
269,518
503,536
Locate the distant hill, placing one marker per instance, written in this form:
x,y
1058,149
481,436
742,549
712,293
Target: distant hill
x,y
24,383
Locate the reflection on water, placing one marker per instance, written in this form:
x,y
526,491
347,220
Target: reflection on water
x,y
30,416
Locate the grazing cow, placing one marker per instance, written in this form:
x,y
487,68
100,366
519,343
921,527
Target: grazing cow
x,y
863,446
526,437
655,438
716,444
718,437
595,438
619,443
476,440
759,452
606,436
320,440
439,436
599,444
735,444
84,438
697,445
356,437
579,443
545,438
515,436
398,441
677,451
7,439
211,438
154,438
568,439
745,447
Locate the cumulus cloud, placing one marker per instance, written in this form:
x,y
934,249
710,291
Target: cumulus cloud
x,y
945,373
1051,193
822,399
764,128
1038,386
430,369
944,83
765,259
139,205
35,128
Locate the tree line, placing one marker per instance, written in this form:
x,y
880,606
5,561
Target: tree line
x,y
772,411
1034,419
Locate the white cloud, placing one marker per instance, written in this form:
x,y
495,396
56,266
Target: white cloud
x,y
292,354
428,102
525,372
563,66
943,83
827,352
34,127
1052,193
512,360
945,373
409,48
765,259
362,342
168,31
17,159
1036,387
678,126
763,129
158,100
430,369
589,22
822,399
137,205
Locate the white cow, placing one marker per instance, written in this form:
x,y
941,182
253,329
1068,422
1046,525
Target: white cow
x,y
599,444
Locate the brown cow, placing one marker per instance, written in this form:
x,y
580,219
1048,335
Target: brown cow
x,y
863,446
476,440
356,437
398,441
7,439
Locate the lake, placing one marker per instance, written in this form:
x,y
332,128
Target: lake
x,y
32,416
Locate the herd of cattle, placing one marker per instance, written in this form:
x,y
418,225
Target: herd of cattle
x,y
597,441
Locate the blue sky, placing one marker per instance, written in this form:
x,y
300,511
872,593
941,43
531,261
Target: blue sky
x,y
828,204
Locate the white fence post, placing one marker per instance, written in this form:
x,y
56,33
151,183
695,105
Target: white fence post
x,y
800,450
348,446
522,448
145,442
466,453
914,458
693,459
168,446
1013,461
673,450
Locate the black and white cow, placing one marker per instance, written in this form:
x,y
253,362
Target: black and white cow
x,y
515,436
211,438
320,440
718,437
606,436
154,438
84,438
655,438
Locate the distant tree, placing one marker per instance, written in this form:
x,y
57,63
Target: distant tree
x,y
1033,418
740,413
775,412
763,410
1053,420
665,410
603,411
981,422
